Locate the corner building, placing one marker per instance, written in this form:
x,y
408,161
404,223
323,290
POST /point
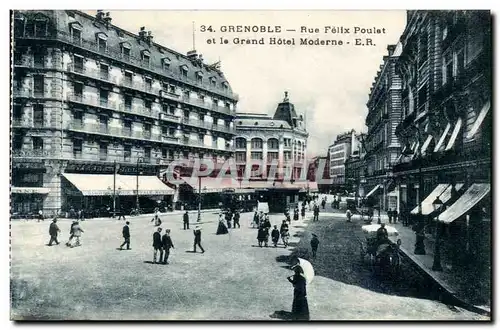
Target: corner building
x,y
90,98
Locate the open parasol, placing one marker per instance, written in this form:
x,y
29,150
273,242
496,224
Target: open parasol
x,y
391,231
307,268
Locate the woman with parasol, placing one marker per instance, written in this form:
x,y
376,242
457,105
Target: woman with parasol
x,y
304,274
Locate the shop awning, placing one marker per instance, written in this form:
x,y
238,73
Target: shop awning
x,y
479,120
427,207
91,184
102,184
442,138
425,146
454,135
29,190
313,186
148,185
468,200
393,193
212,185
374,190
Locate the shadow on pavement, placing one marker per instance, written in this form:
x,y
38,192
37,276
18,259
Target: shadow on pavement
x,y
281,315
190,251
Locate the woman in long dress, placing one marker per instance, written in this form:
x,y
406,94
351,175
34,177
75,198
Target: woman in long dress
x,y
222,229
300,307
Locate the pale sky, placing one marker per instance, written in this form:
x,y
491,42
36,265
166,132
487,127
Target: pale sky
x,y
329,83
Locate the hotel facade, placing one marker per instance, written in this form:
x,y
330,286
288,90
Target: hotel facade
x,y
98,113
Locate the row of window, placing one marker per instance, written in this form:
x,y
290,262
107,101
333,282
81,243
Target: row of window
x,y
258,155
272,143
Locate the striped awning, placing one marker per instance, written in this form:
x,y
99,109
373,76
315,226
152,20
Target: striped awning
x,y
374,190
454,135
479,120
467,201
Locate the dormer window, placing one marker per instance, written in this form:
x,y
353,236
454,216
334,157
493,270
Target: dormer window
x,y
212,81
146,55
224,85
166,63
125,47
76,32
199,77
41,25
184,70
102,40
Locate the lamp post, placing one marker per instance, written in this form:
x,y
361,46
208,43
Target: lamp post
x,y
137,203
199,199
119,189
436,265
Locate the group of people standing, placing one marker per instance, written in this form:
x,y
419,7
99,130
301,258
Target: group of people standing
x,y
227,217
75,232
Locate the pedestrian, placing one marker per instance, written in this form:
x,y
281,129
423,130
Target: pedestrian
x,y
236,219
300,307
255,221
275,235
296,213
395,215
40,215
228,219
156,217
157,245
285,235
266,236
71,236
80,215
121,214
267,223
389,215
323,203
53,231
261,235
314,245
126,236
303,212
167,243
316,212
77,233
197,239
348,214
185,220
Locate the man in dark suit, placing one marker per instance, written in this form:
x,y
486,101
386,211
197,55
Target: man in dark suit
x,y
167,244
126,236
53,231
185,219
236,219
197,239
157,245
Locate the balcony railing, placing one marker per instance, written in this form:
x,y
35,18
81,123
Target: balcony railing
x,y
202,104
169,117
93,73
120,132
116,53
92,101
33,153
142,87
29,93
30,63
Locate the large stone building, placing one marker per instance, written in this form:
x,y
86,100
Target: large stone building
x,y
355,168
262,140
339,152
90,99
381,143
446,128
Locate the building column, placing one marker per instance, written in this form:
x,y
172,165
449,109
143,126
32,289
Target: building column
x,y
264,158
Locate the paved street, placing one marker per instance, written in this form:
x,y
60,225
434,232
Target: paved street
x,y
233,280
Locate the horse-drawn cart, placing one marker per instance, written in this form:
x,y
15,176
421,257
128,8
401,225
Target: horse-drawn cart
x,y
380,252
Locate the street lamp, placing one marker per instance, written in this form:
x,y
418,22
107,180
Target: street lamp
x,y
436,265
419,229
199,199
137,204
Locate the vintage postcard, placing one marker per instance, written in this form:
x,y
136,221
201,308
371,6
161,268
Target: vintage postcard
x,y
251,165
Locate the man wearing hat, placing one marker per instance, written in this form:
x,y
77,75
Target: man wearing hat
x,y
53,231
126,236
185,219
314,245
166,241
157,245
71,233
197,239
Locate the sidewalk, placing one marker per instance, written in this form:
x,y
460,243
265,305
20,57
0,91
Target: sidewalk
x,y
447,279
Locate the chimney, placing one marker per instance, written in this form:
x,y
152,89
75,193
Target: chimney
x,y
99,15
149,38
107,19
192,55
390,49
142,33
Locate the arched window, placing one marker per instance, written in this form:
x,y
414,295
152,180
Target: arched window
x,y
19,22
241,143
273,143
256,143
